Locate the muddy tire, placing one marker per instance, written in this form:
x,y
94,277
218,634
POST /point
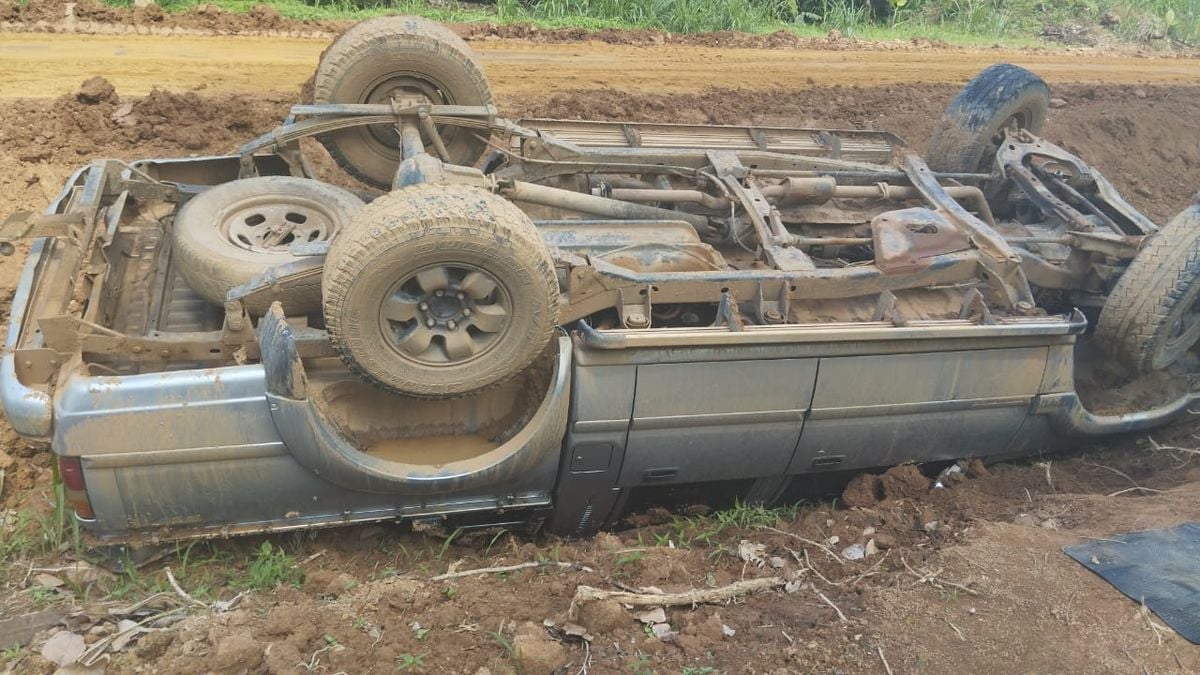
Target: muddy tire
x,y
1152,316
436,291
233,232
966,137
407,58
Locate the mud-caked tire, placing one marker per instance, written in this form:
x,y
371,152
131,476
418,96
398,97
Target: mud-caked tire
x,y
400,57
967,135
228,234
436,291
1152,316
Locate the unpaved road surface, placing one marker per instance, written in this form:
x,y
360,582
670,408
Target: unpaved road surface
x,y
49,65
985,590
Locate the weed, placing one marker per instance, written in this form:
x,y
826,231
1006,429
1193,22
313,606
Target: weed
x,y
421,633
10,653
386,573
630,557
500,533
15,539
406,661
446,544
503,641
642,665
270,568
43,595
449,592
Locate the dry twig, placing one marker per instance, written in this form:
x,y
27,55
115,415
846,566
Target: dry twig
x,y
697,596
932,579
1122,474
510,568
815,571
1158,630
1133,489
886,667
830,603
1046,466
871,570
96,650
810,542
182,593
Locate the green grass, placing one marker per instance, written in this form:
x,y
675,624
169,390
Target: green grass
x,y
1008,22
270,568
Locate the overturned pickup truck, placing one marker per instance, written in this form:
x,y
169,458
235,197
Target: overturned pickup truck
x,y
542,321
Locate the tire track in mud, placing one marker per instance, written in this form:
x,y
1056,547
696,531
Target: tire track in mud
x,y
46,65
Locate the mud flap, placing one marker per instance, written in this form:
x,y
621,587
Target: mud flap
x,y
317,444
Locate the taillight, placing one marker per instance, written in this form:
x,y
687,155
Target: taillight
x,y
70,470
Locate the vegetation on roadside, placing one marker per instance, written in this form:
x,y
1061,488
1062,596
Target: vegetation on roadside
x,y
1008,21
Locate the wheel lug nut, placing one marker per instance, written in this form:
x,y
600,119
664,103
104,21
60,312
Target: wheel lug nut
x,y
451,324
424,306
466,311
430,323
460,296
439,292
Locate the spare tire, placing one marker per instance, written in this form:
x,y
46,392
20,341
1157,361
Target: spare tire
x,y
436,291
406,58
968,134
1152,316
230,233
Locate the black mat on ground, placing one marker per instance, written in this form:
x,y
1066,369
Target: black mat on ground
x,y
1158,567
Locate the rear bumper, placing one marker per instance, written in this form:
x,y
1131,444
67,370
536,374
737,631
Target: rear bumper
x,y
29,410
1069,418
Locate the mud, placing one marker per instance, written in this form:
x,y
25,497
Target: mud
x,y
997,533
96,121
431,450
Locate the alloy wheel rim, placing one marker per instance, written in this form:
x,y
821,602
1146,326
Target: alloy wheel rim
x,y
445,314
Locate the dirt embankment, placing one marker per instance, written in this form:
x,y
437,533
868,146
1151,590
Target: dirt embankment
x,y
94,17
1137,136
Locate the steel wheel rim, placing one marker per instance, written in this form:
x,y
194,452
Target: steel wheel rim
x,y
398,86
445,314
273,225
1183,331
1020,119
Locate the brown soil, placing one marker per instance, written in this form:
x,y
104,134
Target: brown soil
x,y
966,578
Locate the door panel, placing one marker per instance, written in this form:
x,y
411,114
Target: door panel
x,y
696,422
874,411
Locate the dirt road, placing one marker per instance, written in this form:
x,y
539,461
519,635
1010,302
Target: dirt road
x,y
40,65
